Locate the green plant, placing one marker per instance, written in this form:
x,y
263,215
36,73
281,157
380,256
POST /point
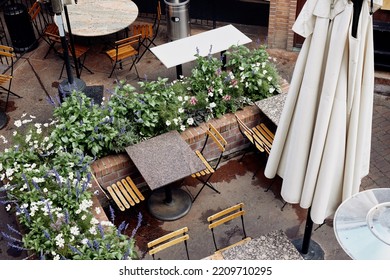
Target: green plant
x,y
83,126
253,69
49,190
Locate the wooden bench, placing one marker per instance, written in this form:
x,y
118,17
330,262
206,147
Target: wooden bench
x,y
125,193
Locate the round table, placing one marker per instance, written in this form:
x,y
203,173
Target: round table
x,y
91,18
362,225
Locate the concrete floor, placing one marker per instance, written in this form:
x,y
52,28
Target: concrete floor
x,y
36,79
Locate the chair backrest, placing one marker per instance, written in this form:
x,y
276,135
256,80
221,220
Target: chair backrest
x,y
249,133
134,41
34,11
168,240
225,216
7,57
218,139
265,135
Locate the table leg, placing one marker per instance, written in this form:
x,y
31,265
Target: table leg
x,y
169,204
179,71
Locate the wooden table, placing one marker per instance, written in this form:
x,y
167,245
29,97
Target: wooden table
x,y
162,161
92,18
181,51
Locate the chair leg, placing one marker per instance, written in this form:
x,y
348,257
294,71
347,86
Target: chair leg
x,y
205,183
273,180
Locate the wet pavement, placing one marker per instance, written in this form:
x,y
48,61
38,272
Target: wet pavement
x,y
36,79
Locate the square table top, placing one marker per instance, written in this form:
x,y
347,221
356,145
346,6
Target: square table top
x,y
184,50
164,159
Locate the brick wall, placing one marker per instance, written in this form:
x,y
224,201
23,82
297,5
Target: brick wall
x,y
282,16
113,167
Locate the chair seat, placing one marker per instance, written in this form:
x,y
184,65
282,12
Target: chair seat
x,y
4,78
123,53
207,170
125,193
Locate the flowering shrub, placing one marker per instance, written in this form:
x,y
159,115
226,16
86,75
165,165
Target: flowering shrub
x,y
48,188
254,71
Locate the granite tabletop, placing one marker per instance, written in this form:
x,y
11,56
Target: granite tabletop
x,y
164,159
92,18
272,106
272,246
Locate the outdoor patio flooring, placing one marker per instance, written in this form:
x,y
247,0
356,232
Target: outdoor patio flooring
x,y
37,78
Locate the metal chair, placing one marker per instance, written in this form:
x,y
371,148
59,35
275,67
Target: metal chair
x,y
43,27
7,59
222,218
125,50
168,240
148,32
210,168
80,52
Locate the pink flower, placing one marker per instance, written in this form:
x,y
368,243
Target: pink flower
x,y
226,97
233,82
193,100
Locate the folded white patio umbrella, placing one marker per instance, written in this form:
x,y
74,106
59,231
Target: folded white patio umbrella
x,y
323,140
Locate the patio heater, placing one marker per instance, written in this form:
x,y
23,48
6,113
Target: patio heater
x,y
70,84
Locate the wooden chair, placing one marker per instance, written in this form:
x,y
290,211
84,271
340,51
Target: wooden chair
x,y
125,193
259,136
80,52
222,218
7,59
43,27
148,31
261,139
125,50
210,168
168,240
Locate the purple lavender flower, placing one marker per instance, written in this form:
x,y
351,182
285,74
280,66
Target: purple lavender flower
x,y
75,250
121,227
10,238
101,230
112,214
14,230
138,225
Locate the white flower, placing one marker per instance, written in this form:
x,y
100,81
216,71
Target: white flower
x,y
14,133
186,98
4,139
59,240
83,217
97,210
182,127
28,138
74,230
33,117
269,78
181,110
241,68
84,241
94,221
26,121
175,121
168,123
18,123
1,166
45,190
25,114
180,98
92,230
265,72
8,207
38,125
39,130
107,223
220,91
46,125
271,90
56,257
213,105
190,121
9,172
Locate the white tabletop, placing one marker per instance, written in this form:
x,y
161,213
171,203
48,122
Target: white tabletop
x,y
91,18
184,50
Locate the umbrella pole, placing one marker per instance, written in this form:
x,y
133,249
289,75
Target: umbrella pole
x,y
309,249
307,234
